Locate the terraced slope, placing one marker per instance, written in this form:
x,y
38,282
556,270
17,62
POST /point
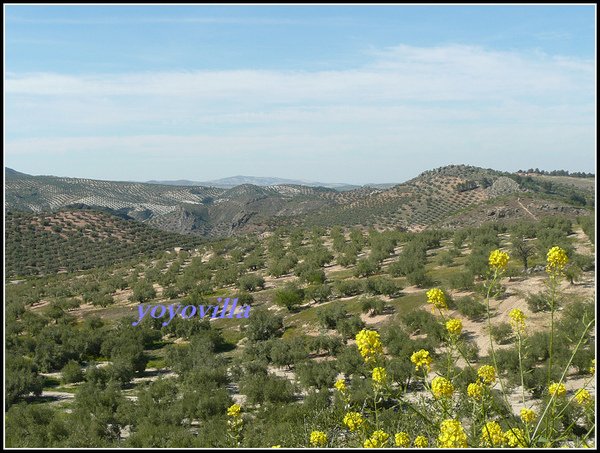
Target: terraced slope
x,y
432,197
70,240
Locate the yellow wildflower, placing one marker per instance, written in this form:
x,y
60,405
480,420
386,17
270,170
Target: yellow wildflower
x,y
517,319
441,387
421,442
454,326
379,375
498,260
276,446
475,390
528,415
515,438
487,374
492,435
582,396
557,390
369,345
556,260
421,359
402,439
234,410
437,298
377,440
340,385
318,439
593,367
452,435
353,420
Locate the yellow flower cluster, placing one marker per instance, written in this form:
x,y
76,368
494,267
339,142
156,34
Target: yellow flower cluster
x,y
234,410
437,298
528,415
582,396
276,446
369,345
318,439
421,442
454,326
517,320
402,439
487,374
498,260
379,375
340,385
593,367
475,390
441,387
557,390
556,260
452,435
377,440
421,359
492,435
353,420
515,438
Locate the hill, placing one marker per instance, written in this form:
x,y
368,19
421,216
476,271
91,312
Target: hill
x,y
70,240
232,181
432,197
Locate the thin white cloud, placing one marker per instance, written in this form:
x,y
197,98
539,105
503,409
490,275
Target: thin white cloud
x,y
412,99
401,73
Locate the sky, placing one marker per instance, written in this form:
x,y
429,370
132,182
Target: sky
x,y
355,94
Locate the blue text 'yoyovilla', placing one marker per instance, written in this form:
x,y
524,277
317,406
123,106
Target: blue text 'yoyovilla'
x,y
190,310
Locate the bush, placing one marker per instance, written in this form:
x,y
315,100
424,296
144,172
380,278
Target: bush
x,y
313,374
462,280
267,389
419,278
251,282
470,308
310,273
348,288
243,298
538,302
143,291
71,372
502,333
318,293
373,305
330,315
382,285
365,267
289,296
445,259
349,327
263,324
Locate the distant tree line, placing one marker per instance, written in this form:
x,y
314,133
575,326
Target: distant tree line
x,y
575,174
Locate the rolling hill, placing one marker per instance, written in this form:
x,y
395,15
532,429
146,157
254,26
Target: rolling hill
x,y
439,196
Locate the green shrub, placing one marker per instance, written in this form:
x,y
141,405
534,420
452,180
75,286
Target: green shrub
x,y
331,314
71,372
462,280
373,305
470,308
502,333
538,302
289,296
348,288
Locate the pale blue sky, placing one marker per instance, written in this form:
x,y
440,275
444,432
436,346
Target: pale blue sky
x,y
324,93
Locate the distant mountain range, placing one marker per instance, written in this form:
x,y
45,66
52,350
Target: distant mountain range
x,y
454,195
263,181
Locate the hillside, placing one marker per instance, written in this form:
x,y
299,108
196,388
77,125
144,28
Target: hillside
x,y
76,363
433,196
70,240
